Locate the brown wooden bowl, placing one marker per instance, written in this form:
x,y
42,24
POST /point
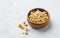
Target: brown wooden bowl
x,y
37,25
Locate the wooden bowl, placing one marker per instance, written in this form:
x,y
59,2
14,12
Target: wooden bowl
x,y
37,25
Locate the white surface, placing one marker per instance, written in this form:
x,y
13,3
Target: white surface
x,y
13,12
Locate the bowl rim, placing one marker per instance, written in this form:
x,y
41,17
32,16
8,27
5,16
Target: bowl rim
x,y
39,9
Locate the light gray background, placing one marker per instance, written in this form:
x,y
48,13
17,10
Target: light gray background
x,y
13,12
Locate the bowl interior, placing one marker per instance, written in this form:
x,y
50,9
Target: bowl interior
x,y
40,9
